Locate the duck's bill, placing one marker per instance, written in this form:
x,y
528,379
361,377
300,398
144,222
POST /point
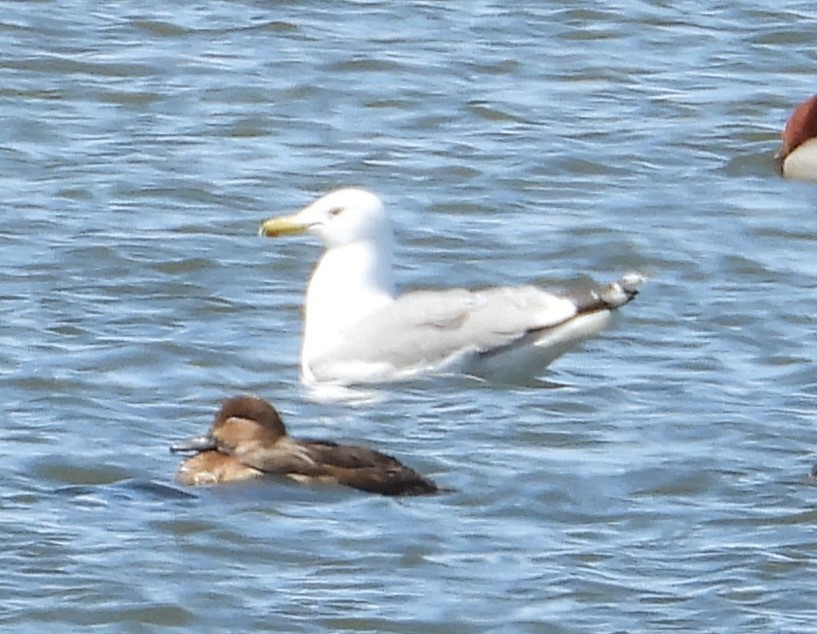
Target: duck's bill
x,y
196,443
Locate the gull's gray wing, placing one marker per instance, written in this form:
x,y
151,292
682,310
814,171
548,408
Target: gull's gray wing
x,y
428,329
434,329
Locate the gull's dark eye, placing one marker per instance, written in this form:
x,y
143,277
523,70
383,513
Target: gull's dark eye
x,y
335,211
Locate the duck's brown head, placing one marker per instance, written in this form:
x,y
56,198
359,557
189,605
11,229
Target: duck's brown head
x,y
242,423
244,420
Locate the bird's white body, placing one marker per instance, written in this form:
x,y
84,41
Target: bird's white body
x,y
334,305
801,164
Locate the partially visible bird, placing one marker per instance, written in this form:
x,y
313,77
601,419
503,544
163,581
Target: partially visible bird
x,y
797,155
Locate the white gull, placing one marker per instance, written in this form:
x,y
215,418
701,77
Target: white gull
x,y
357,330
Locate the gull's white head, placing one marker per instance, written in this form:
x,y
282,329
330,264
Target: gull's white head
x,y
353,277
340,218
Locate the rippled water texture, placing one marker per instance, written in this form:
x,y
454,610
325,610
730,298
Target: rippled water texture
x,y
657,480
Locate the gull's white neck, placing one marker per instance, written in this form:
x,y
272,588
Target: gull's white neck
x,y
349,283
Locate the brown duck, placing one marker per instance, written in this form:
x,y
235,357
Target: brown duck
x,y
248,440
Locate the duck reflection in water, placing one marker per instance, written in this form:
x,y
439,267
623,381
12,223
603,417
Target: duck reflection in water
x,y
248,440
